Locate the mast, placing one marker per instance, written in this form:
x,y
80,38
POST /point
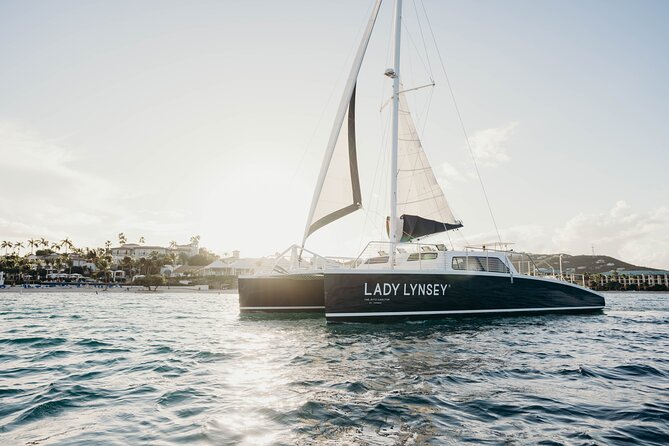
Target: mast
x,y
395,75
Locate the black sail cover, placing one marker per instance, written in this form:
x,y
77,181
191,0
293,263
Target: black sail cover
x,y
414,226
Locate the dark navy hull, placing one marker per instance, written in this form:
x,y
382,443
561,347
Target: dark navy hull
x,y
369,297
291,293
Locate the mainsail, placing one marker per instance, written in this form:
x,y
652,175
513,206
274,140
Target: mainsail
x,y
338,190
421,203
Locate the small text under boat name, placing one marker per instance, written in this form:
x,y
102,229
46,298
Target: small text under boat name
x,y
406,289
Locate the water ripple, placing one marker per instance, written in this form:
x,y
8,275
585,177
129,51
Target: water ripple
x,y
76,368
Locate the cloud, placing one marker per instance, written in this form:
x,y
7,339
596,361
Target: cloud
x,y
488,144
34,160
488,148
48,194
447,174
641,238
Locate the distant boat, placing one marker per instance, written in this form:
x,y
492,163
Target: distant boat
x,y
399,278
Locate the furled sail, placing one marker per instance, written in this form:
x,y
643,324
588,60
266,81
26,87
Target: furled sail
x,y
421,203
338,190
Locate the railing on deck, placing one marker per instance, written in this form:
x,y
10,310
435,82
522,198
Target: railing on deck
x,y
296,259
415,256
376,255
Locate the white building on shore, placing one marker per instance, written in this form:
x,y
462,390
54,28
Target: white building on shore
x,y
135,251
639,279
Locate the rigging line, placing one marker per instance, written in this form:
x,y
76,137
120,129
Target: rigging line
x,y
370,209
415,137
408,34
462,124
420,28
385,104
427,109
463,237
335,87
450,242
427,112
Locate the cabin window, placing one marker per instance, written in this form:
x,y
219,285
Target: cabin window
x,y
477,263
375,260
422,256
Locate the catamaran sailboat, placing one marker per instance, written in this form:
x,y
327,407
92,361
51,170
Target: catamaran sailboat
x,y
399,278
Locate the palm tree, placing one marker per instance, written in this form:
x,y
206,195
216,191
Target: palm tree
x,y
141,264
126,265
5,244
122,238
107,245
103,265
44,242
67,261
67,243
33,244
18,246
173,244
141,240
24,267
194,240
58,263
55,246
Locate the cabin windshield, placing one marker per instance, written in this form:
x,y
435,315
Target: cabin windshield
x,y
377,260
422,256
477,263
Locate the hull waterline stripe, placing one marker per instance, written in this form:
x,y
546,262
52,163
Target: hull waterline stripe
x,y
425,313
317,307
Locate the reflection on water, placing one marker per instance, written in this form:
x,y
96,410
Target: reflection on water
x,y
176,368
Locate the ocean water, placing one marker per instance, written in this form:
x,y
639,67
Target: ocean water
x,y
131,368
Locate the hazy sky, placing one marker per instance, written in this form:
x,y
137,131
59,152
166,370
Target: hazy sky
x,y
166,119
